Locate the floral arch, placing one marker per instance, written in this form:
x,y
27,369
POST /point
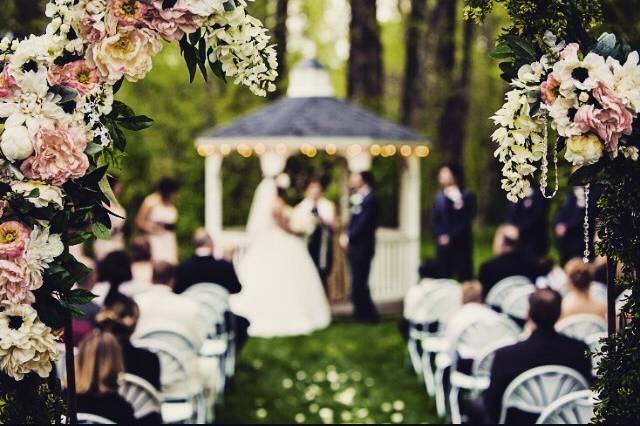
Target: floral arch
x,y
60,132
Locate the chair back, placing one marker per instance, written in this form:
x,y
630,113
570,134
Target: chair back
x,y
92,419
499,292
480,334
211,289
481,367
595,343
142,396
573,408
174,372
170,335
516,303
533,390
581,326
438,304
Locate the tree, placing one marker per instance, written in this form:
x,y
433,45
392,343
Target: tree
x,y
22,17
412,85
280,39
365,72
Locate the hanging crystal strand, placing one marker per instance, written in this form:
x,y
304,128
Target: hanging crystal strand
x,y
585,259
544,167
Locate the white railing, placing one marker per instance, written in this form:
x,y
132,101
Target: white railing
x,y
394,269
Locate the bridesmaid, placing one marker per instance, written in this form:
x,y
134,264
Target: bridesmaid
x,y
157,219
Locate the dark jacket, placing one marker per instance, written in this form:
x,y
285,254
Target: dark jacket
x,y
206,269
572,217
456,223
541,348
142,363
530,217
362,227
110,406
506,265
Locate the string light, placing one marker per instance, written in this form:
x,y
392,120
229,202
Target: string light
x,y
405,150
312,151
244,150
259,149
225,149
375,150
331,149
585,225
389,150
205,150
281,149
421,151
354,150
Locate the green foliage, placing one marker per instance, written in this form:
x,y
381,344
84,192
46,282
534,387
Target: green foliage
x,y
45,406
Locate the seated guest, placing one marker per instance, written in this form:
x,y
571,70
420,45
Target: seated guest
x,y
544,347
98,367
84,325
113,270
202,267
160,305
509,260
141,264
578,300
551,276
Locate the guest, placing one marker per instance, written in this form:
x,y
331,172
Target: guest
x,y
361,242
316,216
578,300
202,267
113,271
569,223
509,260
101,248
98,365
529,215
453,212
141,264
83,326
157,219
544,347
550,275
159,305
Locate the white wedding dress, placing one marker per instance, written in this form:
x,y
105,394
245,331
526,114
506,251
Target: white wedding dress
x,y
282,294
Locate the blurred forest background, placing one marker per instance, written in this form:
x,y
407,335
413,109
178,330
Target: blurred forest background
x,y
417,62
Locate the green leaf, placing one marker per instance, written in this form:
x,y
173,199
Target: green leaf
x,y
135,123
167,4
502,51
101,231
118,85
79,237
586,174
190,57
105,187
216,67
522,49
79,296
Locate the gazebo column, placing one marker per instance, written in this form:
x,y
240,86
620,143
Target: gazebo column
x,y
213,191
410,213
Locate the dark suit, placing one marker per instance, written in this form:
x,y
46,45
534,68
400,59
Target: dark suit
x,y
321,250
456,258
530,217
572,217
207,269
362,244
541,348
506,265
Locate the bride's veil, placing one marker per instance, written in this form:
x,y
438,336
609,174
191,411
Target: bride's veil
x,y
261,212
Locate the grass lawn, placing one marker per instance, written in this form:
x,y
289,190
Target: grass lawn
x,y
348,373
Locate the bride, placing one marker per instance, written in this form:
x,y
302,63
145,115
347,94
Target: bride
x,y
282,294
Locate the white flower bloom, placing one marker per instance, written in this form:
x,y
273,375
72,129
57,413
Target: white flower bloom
x,y
47,194
630,152
43,247
583,150
27,344
202,8
16,143
626,79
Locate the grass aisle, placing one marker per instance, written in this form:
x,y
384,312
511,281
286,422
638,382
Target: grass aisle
x,y
348,373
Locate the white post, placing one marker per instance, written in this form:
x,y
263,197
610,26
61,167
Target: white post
x,y
213,194
410,214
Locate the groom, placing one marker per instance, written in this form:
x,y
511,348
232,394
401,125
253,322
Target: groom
x,y
361,243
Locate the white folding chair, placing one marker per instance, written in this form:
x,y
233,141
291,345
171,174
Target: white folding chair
x,y
595,343
170,334
581,326
182,400
142,396
534,390
436,308
516,302
499,292
471,345
573,408
92,419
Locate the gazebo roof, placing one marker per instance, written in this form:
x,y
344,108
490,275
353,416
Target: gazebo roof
x,y
313,117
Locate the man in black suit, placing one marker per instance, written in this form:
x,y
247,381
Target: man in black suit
x,y
202,267
569,223
510,260
545,346
361,242
529,215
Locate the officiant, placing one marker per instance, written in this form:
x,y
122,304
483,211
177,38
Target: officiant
x,y
318,218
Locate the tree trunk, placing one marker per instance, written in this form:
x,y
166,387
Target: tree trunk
x,y
280,40
365,72
412,86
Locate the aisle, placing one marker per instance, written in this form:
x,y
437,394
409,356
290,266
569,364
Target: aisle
x,y
347,373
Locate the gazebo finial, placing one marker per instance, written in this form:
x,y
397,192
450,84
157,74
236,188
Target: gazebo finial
x,y
309,79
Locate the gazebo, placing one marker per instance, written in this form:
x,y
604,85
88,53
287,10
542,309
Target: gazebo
x,y
309,119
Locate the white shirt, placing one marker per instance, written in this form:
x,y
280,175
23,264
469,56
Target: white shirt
x,y
160,305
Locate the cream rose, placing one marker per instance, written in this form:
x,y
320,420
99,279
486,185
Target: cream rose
x,y
583,150
16,143
127,54
47,194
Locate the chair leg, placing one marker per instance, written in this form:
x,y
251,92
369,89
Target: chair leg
x,y
441,405
414,356
456,417
427,373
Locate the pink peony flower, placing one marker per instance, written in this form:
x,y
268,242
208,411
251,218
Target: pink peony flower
x,y
13,239
124,13
172,23
610,122
570,50
12,282
78,75
549,89
7,83
92,31
59,155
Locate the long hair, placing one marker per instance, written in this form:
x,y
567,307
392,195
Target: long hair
x,y
119,317
99,364
115,269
